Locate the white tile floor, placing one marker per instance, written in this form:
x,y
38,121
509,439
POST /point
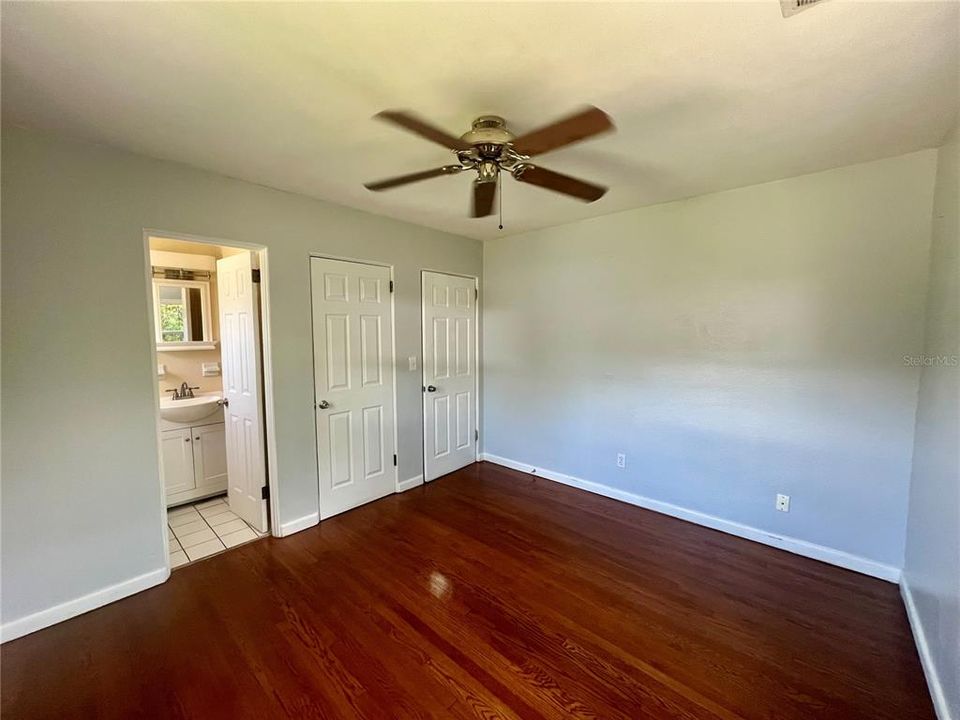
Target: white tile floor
x,y
204,528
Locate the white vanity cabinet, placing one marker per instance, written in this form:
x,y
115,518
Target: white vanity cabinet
x,y
194,462
210,456
176,457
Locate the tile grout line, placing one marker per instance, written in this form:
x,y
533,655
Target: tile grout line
x,y
171,535
209,527
215,533
247,526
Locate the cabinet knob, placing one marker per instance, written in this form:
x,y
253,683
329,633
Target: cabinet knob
x,y
186,439
197,438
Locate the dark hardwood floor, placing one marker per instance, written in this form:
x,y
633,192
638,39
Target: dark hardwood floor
x,y
487,594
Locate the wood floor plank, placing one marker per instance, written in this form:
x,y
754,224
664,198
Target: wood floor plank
x,y
488,594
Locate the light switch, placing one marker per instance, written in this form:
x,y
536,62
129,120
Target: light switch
x,y
412,360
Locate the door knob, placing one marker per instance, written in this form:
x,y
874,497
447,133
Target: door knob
x,y
223,403
323,404
431,388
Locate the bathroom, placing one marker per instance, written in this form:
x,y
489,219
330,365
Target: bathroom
x,y
206,309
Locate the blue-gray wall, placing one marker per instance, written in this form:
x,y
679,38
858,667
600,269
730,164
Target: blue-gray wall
x,y
734,346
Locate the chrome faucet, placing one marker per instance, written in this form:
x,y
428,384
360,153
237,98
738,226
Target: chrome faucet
x,y
183,392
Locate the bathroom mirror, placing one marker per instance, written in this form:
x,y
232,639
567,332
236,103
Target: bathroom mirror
x,y
182,315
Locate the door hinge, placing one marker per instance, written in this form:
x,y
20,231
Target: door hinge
x,y
476,434
394,460
255,275
265,492
476,293
391,286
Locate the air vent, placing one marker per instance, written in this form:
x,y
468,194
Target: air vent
x,y
792,7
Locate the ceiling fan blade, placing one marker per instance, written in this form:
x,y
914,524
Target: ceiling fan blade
x,y
584,124
423,129
558,182
483,195
412,177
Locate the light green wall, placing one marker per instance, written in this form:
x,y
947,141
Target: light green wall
x,y
81,506
733,346
932,568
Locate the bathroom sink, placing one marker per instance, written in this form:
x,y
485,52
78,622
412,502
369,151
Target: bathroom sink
x,y
189,409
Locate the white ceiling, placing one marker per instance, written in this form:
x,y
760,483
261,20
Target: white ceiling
x,y
706,96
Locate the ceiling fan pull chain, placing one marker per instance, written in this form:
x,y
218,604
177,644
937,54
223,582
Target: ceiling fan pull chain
x,y
500,197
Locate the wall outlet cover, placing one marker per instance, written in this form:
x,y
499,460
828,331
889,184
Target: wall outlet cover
x,y
621,460
783,503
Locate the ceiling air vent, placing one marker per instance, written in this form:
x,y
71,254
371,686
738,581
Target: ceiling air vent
x,y
792,7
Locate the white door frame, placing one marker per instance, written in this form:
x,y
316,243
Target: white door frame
x,y
393,351
273,480
476,364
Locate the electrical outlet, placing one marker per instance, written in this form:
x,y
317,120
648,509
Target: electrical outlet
x,y
412,362
621,460
783,503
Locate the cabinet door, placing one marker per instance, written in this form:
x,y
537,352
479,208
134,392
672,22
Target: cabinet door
x,y
210,456
176,457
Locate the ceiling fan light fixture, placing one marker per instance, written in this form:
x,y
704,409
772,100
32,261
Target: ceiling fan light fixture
x,y
487,171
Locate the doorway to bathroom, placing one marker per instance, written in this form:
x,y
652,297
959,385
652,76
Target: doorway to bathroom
x,y
209,332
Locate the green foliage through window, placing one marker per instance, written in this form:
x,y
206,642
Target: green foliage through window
x,y
172,322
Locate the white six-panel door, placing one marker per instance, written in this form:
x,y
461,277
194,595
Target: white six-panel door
x,y
354,380
449,373
239,305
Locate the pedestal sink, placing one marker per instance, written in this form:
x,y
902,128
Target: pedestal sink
x,y
189,409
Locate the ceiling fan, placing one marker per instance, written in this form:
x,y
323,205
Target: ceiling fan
x,y
489,148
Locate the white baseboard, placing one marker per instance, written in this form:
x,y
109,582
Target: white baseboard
x,y
302,523
71,608
794,545
926,658
413,482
